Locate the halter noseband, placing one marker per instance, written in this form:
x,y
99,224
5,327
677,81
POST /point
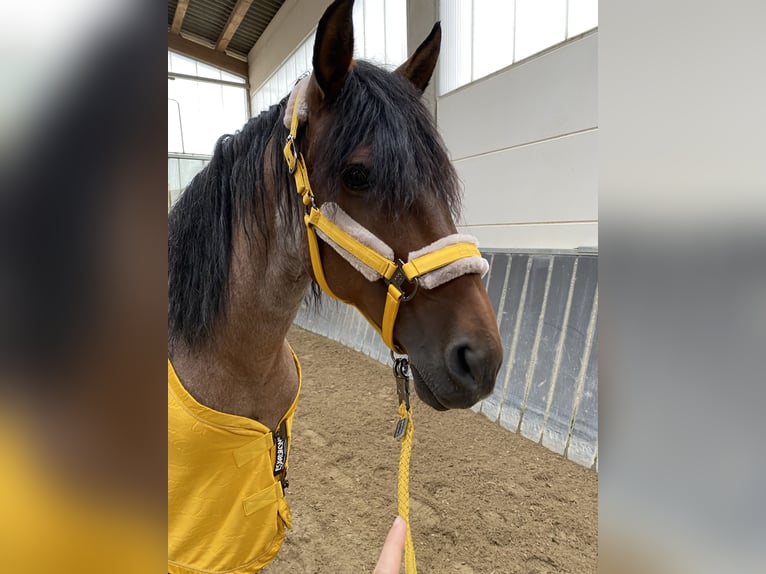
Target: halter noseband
x,y
436,263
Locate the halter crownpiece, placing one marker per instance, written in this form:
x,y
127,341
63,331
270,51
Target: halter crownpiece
x,y
433,265
296,104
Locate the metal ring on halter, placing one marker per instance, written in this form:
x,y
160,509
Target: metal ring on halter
x,y
401,365
407,296
400,277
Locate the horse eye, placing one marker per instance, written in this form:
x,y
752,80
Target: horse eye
x,y
356,177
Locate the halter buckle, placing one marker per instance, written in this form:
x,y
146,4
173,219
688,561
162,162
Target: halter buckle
x,y
292,165
400,277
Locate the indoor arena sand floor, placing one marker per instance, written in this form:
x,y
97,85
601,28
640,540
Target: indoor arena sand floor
x,y
483,500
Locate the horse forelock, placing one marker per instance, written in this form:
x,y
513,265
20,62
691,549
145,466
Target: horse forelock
x,y
382,111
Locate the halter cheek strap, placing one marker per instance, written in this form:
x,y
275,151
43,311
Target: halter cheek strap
x,y
435,264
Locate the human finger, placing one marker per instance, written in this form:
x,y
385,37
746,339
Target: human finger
x,y
391,555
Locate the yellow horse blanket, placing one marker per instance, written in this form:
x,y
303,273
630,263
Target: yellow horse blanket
x,y
226,506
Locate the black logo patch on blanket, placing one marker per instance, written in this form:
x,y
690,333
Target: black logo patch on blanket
x,y
280,442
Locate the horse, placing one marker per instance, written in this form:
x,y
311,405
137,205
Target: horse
x,y
243,256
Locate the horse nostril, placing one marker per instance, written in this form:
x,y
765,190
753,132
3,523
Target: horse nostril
x,y
471,368
461,360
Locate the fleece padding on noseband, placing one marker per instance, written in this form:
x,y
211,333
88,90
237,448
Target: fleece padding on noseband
x,y
303,108
334,213
452,270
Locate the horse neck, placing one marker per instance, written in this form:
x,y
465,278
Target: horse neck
x,y
248,368
267,284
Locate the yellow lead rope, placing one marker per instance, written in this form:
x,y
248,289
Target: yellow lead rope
x,y
404,488
404,431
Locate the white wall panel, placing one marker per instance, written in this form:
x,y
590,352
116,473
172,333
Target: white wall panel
x,y
552,181
524,142
531,236
547,96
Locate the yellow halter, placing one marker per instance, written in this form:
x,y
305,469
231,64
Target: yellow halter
x,y
394,273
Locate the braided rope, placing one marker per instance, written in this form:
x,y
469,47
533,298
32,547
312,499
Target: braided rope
x,y
404,489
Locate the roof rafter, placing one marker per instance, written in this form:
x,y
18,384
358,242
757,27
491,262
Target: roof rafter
x,y
178,17
235,19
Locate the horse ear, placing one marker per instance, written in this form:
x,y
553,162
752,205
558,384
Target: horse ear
x,y
334,47
419,68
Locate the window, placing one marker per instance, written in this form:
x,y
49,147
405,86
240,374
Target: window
x,y
203,104
483,36
181,170
380,35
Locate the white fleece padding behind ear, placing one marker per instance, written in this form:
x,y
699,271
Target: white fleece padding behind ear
x,y
303,108
334,213
452,270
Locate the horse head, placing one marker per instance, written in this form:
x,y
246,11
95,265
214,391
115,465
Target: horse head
x,y
379,168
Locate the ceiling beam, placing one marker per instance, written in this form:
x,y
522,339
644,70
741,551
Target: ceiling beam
x,y
178,17
235,19
197,51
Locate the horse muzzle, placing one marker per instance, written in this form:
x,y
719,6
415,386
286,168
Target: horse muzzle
x,y
451,336
465,375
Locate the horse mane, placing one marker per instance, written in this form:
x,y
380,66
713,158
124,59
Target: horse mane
x,y
375,108
229,191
